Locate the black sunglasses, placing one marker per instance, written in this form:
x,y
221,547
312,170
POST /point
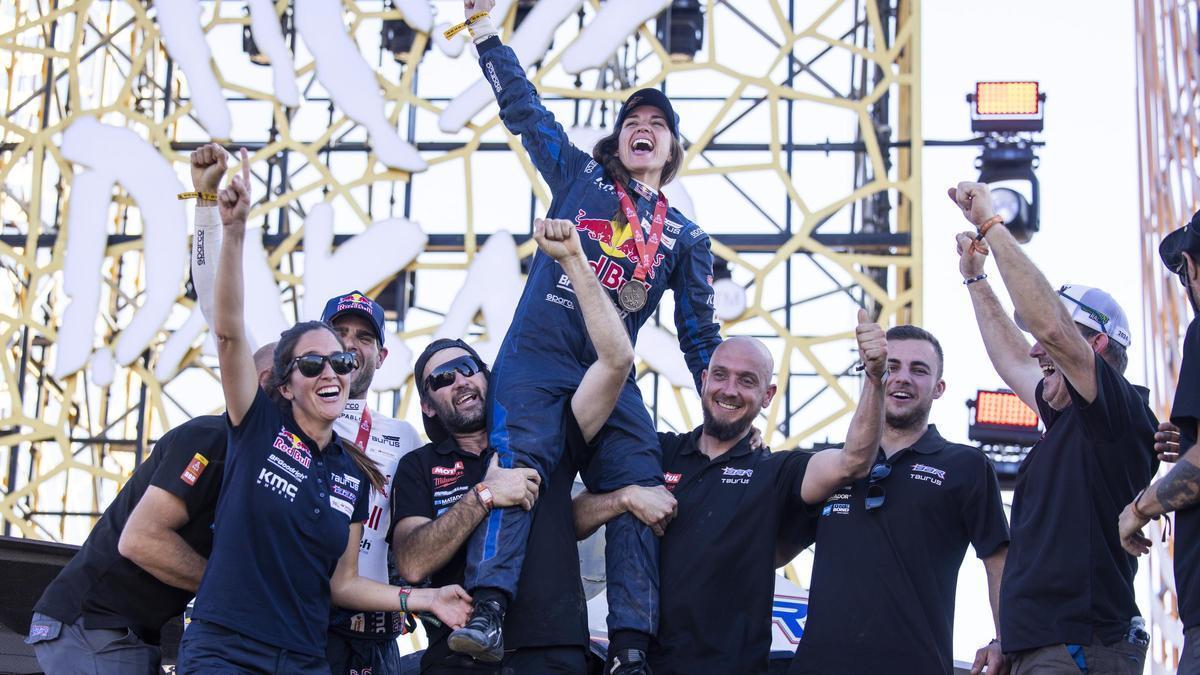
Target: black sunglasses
x,y
443,376
311,365
875,493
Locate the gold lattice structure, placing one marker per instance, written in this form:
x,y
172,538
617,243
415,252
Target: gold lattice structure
x,y
1169,143
802,128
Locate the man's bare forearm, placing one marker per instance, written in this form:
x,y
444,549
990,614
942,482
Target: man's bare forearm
x,y
430,546
595,509
1179,489
866,430
600,317
1032,295
166,557
994,566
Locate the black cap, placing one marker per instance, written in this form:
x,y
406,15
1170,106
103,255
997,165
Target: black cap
x,y
654,98
433,426
1185,239
355,302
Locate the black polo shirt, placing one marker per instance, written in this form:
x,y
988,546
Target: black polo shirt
x,y
283,522
717,560
1067,580
881,597
1185,412
109,590
550,609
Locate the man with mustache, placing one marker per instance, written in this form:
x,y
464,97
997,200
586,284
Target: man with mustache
x,y
889,546
1066,597
736,503
447,488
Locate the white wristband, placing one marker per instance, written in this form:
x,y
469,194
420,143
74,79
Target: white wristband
x,y
208,216
482,29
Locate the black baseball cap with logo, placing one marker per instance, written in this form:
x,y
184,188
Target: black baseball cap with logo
x,y
1184,240
654,98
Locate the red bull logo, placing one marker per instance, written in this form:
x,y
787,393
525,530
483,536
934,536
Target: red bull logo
x,y
291,445
354,301
617,241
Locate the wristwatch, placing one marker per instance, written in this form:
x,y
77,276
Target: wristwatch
x,y
485,496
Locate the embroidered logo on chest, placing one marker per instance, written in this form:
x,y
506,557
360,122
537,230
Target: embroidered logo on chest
x,y
732,476
928,474
291,445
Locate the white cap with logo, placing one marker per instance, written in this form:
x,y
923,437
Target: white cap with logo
x,y
1093,308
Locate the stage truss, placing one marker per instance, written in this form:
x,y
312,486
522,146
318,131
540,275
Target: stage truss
x,y
1169,140
802,128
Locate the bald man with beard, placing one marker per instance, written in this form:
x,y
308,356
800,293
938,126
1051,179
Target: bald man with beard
x,y
719,552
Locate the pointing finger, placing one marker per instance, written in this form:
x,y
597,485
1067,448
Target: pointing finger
x,y
245,168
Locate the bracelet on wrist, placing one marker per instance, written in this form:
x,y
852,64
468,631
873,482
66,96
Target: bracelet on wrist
x,y
460,27
1137,511
405,591
204,196
975,279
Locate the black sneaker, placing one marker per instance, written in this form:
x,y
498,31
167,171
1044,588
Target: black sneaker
x,y
482,638
627,662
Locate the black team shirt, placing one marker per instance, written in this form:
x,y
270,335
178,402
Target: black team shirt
x,y
550,609
1185,412
883,581
717,560
109,590
1067,580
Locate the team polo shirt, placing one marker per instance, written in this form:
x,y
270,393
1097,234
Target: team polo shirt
x,y
387,440
717,559
283,521
109,590
549,609
1066,579
881,597
1185,412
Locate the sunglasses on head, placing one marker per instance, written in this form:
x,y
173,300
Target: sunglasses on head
x,y
443,376
1100,317
311,365
875,492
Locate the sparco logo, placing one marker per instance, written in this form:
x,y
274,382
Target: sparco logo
x,y
277,484
491,71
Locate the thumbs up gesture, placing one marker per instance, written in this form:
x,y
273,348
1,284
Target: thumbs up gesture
x,y
872,346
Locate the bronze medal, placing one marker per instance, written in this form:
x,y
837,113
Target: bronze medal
x,y
632,296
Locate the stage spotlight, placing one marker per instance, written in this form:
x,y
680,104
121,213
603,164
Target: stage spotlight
x,y
1012,159
398,37
680,29
1005,428
1006,107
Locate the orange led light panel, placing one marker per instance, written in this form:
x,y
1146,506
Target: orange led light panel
x,y
1000,407
1006,98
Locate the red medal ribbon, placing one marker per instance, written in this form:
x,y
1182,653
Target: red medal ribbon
x,y
364,428
647,249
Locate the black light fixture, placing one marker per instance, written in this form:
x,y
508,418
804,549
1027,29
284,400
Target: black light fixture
x,y
1006,115
680,29
398,37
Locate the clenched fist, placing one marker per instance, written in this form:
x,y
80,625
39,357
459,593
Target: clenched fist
x,y
209,163
557,238
975,200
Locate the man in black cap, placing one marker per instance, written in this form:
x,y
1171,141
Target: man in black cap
x,y
1179,490
444,490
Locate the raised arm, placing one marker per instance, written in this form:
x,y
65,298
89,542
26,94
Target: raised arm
x,y
695,320
208,164
1034,299
597,393
151,540
1005,343
423,545
238,377
830,469
347,589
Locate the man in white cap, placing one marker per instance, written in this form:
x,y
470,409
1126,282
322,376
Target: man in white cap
x,y
1066,597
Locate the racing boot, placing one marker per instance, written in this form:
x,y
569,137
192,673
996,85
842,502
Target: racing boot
x,y
482,638
627,662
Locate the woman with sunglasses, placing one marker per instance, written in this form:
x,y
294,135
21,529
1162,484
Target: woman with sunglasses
x,y
293,500
640,248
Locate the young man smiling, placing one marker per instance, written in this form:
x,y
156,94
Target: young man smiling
x,y
889,546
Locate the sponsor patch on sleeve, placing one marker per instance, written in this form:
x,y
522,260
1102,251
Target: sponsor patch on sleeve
x,y
194,468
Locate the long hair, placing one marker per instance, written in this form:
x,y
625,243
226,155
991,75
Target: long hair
x,y
606,155
285,351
